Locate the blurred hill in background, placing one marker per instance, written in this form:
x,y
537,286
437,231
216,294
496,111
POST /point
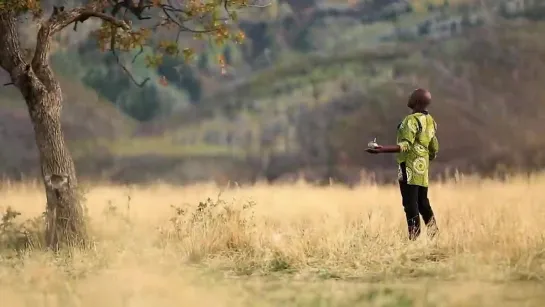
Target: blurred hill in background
x,y
315,81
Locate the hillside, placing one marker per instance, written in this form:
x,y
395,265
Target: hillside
x,y
305,93
488,100
85,118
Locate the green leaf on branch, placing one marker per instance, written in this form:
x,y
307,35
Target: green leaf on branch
x,y
154,60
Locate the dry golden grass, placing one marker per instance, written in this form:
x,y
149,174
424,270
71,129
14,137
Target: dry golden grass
x,y
288,246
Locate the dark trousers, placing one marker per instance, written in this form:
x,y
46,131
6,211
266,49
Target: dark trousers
x,y
416,203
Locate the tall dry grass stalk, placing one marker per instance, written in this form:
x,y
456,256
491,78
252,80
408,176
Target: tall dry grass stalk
x,y
160,245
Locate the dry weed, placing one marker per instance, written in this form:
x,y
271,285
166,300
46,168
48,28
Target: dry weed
x,y
299,245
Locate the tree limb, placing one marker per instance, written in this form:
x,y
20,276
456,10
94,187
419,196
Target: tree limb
x,y
64,19
135,9
11,57
59,20
118,59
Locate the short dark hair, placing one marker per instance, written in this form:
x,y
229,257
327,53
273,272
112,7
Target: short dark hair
x,y
420,97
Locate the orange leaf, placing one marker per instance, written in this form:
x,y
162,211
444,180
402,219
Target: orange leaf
x,y
163,81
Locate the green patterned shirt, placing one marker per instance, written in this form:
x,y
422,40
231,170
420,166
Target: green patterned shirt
x,y
419,145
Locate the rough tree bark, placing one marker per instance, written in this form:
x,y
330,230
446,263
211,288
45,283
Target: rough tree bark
x,y
43,97
65,223
65,219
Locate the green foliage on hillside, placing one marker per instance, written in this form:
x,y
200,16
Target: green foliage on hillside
x,y
280,37
307,88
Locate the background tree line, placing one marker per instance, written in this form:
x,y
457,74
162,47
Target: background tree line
x,y
302,95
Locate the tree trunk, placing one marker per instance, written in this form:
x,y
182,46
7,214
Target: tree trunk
x,y
65,225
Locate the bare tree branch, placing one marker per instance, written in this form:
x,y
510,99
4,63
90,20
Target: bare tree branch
x,y
129,5
138,54
62,20
58,21
118,59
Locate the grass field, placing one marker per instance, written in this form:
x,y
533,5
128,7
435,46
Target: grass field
x,y
286,246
